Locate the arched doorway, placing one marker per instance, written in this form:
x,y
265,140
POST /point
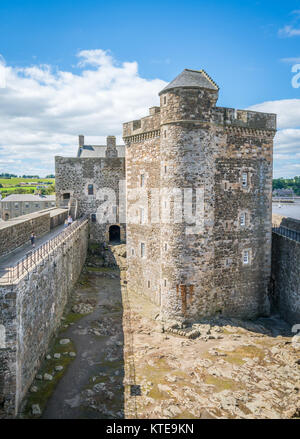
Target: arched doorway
x,y
114,234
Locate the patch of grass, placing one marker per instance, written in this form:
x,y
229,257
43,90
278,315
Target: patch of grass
x,y
236,356
46,388
99,269
220,383
72,317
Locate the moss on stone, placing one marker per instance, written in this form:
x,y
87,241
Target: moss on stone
x,y
46,388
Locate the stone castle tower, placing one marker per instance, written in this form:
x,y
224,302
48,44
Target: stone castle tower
x,y
214,164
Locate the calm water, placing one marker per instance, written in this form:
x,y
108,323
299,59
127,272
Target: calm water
x,y
291,210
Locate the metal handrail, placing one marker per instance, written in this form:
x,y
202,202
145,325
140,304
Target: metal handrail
x,y
10,274
288,233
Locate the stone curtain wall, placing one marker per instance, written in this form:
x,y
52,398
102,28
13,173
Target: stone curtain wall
x,y
16,233
286,273
31,310
8,318
57,217
284,221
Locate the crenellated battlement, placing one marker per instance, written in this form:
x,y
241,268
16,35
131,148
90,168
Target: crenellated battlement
x,y
244,119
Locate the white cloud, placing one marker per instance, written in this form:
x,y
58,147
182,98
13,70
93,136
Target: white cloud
x,y
287,110
287,140
289,31
291,60
42,110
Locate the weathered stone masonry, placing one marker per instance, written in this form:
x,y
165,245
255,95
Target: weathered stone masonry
x,y
83,180
15,233
286,271
188,142
31,311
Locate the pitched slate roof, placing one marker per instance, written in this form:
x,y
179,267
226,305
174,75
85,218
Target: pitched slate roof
x,y
98,151
28,197
192,78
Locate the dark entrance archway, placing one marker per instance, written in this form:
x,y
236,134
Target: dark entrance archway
x,y
114,234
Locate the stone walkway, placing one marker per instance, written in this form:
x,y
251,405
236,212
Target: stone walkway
x,y
13,257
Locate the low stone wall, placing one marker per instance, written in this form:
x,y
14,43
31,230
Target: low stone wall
x,y
286,271
57,217
284,221
31,312
15,233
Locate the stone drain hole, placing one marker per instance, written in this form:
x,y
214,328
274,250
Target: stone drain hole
x,y
135,390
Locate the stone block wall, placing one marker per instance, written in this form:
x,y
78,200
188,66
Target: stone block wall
x,y
73,177
286,272
16,233
31,311
189,143
284,221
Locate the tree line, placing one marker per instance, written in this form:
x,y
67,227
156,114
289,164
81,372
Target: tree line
x,y
287,183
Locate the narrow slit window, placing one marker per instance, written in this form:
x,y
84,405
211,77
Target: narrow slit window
x,y
143,249
243,220
149,284
142,215
90,189
244,179
246,257
142,180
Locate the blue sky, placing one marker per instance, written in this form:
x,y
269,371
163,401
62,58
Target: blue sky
x,y
247,47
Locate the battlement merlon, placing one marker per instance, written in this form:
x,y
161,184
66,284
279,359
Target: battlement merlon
x,y
254,120
145,124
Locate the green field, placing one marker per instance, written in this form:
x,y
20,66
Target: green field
x,y
12,182
12,185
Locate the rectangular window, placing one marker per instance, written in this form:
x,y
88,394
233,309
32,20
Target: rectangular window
x,y
93,217
143,249
132,252
166,246
246,257
90,189
148,283
165,282
142,216
37,205
165,169
142,180
243,219
244,179
165,100
27,205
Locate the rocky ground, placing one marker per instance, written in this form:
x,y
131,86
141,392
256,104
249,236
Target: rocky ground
x,y
231,370
120,361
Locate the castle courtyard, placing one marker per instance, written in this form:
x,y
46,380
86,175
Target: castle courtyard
x,y
112,358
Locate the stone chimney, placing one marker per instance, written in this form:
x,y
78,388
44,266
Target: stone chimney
x,y
81,140
111,150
